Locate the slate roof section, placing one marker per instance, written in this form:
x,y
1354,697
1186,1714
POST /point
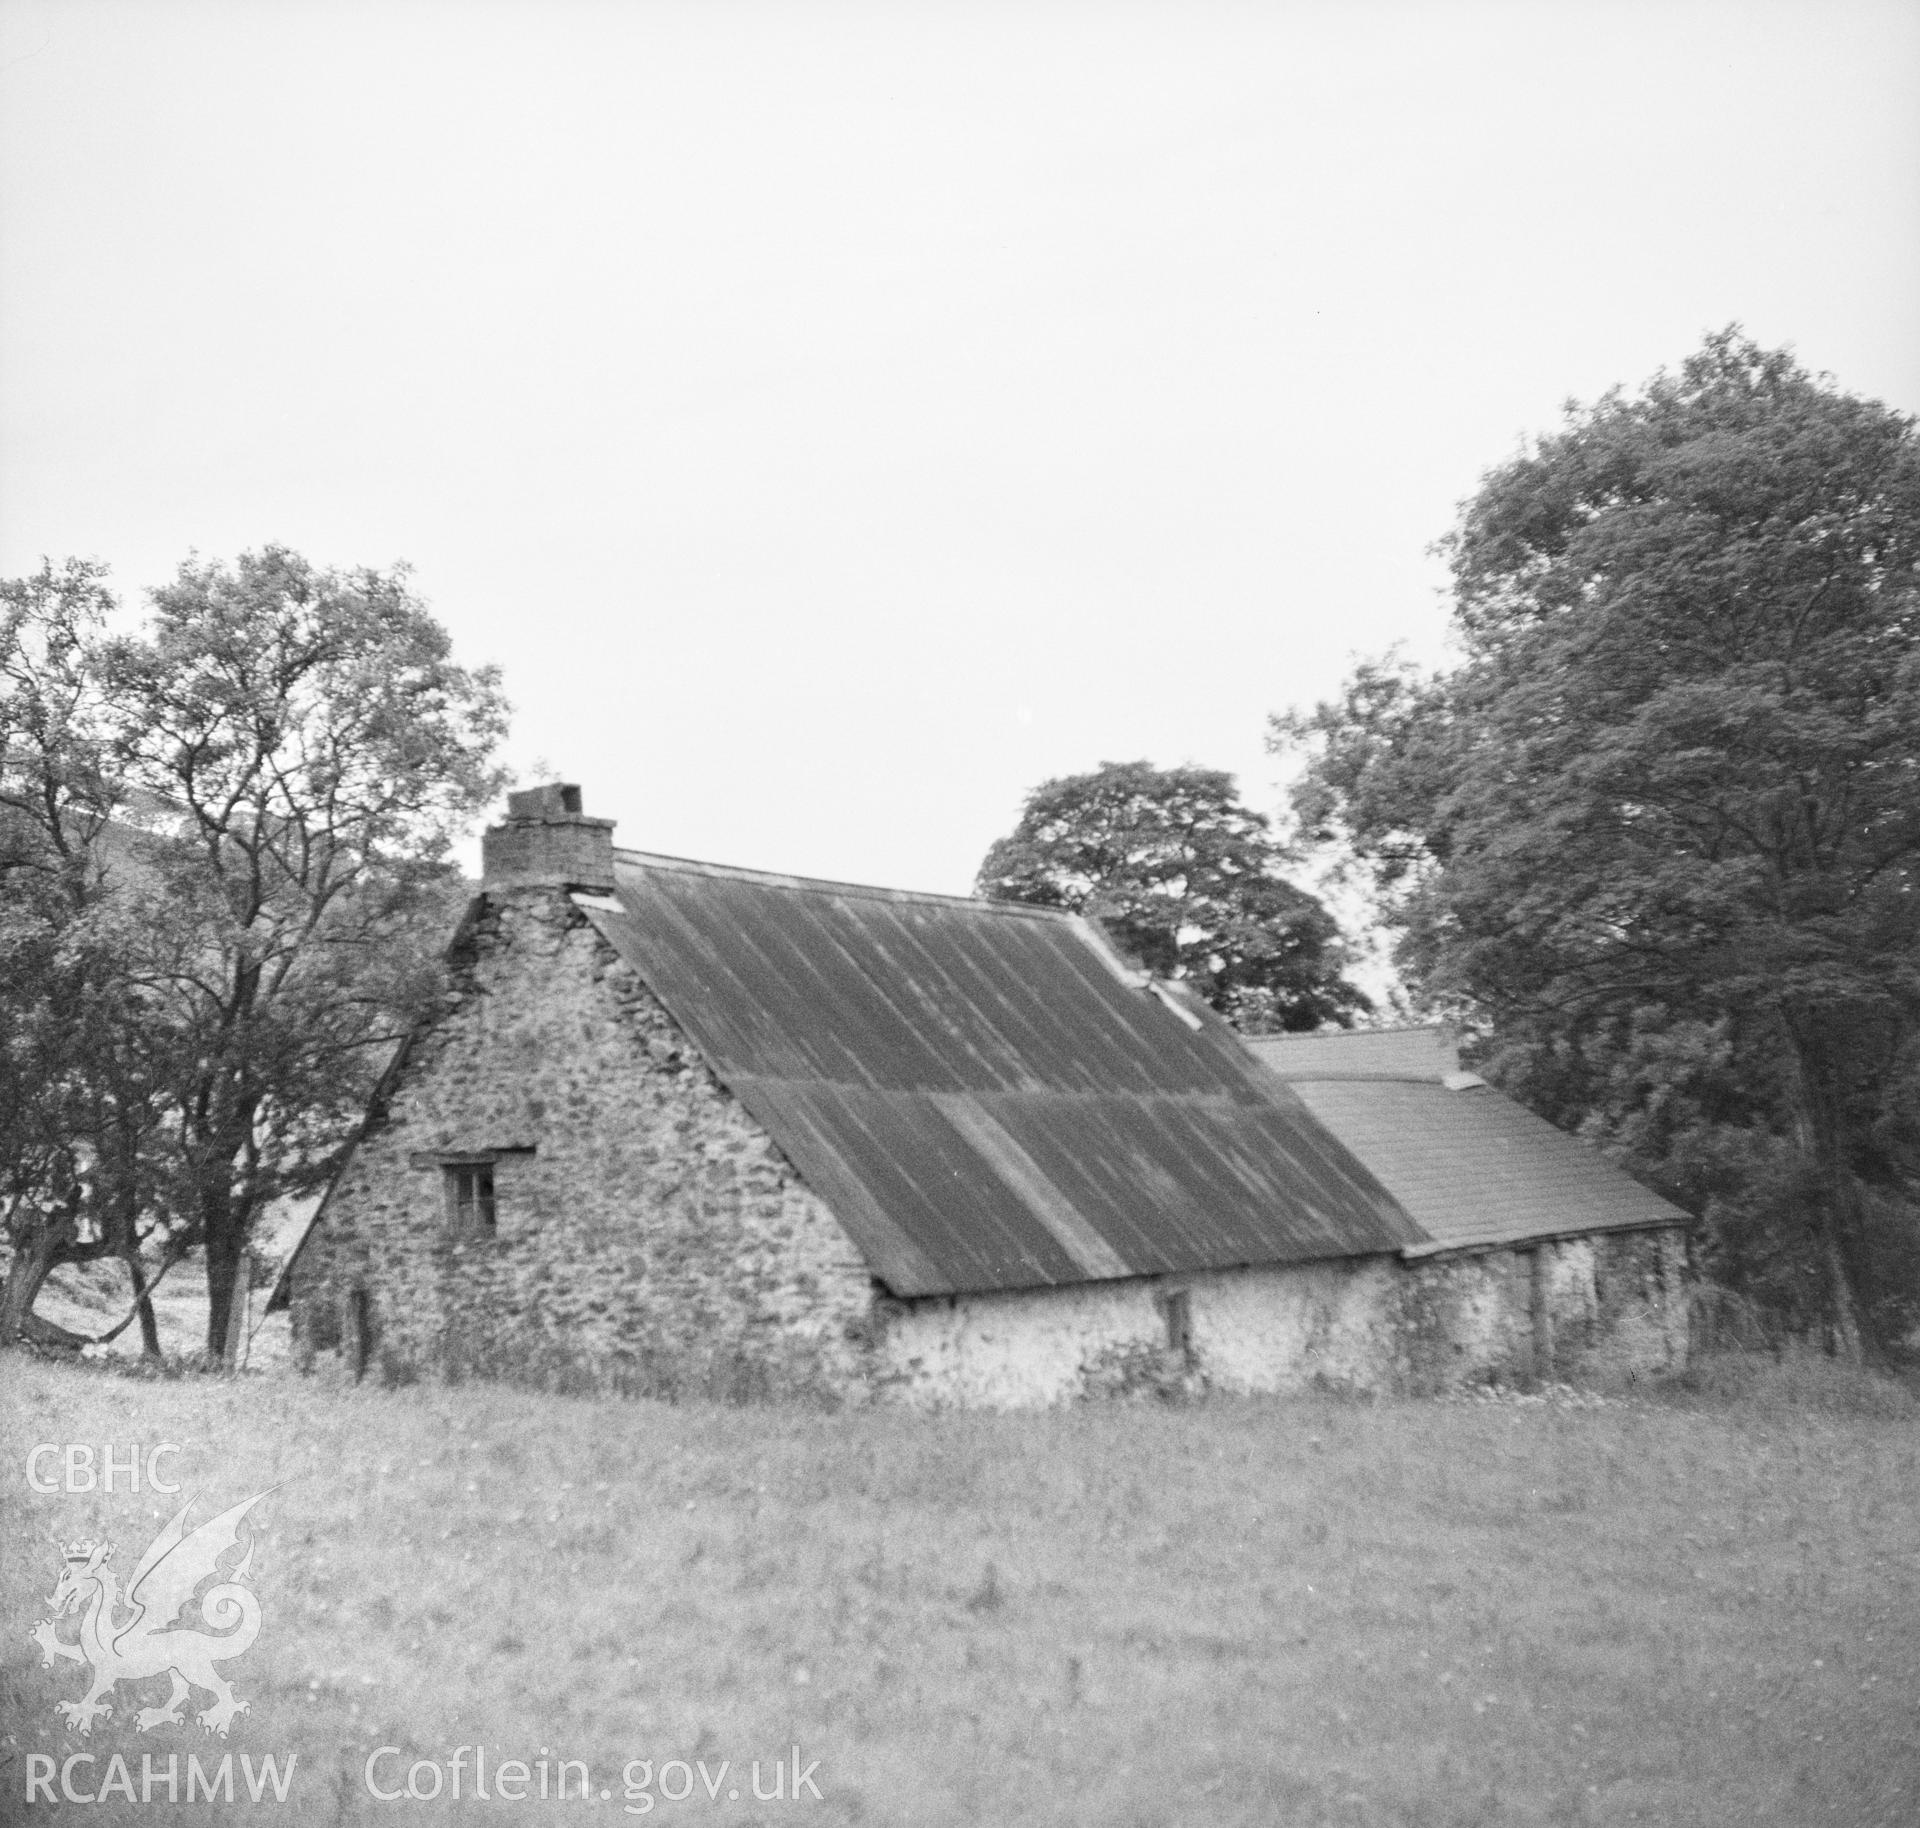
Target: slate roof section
x,y
1472,1168
983,1093
1361,1053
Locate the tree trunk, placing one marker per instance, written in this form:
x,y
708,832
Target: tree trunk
x,y
149,1325
125,1235
233,1352
33,1261
1834,1218
226,1222
225,1241
48,1241
1850,1337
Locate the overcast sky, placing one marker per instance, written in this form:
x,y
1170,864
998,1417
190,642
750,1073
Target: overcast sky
x,y
836,419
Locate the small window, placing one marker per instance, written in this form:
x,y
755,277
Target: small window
x,y
470,1197
1179,1325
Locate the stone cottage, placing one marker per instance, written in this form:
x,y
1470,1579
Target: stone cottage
x,y
683,1127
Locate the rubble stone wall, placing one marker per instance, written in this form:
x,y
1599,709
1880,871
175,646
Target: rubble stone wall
x,y
1615,1310
649,1236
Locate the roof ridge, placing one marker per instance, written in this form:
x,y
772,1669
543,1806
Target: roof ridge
x,y
1309,1078
779,879
1352,1034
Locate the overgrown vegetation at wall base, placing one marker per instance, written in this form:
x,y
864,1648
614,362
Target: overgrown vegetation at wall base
x,y
1702,1609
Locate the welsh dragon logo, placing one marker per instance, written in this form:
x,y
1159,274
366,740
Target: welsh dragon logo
x,y
151,1643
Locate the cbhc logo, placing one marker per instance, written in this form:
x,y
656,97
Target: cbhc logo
x,y
81,1474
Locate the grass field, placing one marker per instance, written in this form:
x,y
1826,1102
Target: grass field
x,y
1704,1609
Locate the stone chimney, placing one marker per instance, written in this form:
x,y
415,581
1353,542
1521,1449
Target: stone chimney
x,y
546,842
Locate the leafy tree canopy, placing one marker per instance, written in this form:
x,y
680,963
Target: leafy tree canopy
x,y
79,1108
1188,881
1659,831
248,806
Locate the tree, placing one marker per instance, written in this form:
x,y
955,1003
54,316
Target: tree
x,y
79,1106
1658,833
299,747
1187,880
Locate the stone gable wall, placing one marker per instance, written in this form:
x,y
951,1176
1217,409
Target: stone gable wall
x,y
654,1239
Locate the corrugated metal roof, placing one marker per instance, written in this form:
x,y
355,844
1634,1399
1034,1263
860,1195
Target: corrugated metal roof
x,y
1473,1168
983,1093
